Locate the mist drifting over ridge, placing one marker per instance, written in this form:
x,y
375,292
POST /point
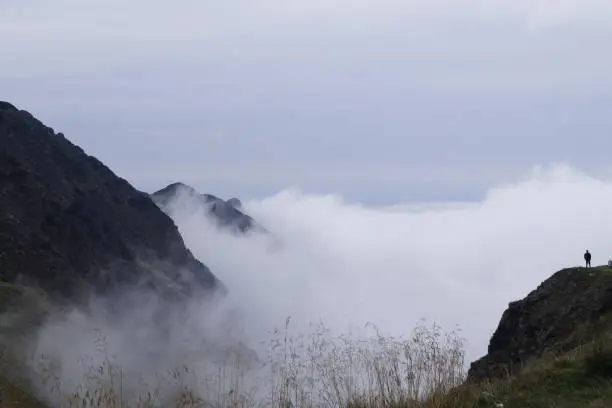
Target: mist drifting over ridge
x,y
456,265
341,263
376,99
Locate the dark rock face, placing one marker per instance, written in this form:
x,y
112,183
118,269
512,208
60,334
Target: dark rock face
x,y
227,214
564,312
68,223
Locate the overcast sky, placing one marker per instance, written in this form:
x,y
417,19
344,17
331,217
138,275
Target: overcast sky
x,y
377,101
380,100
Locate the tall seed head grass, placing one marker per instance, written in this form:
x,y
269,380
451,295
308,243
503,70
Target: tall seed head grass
x,y
315,370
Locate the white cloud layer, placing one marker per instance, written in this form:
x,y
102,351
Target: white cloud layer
x,y
454,264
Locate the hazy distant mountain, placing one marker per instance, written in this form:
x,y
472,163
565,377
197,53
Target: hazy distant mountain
x,y
227,214
68,223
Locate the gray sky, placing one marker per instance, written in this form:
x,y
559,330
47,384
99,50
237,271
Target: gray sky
x,y
377,100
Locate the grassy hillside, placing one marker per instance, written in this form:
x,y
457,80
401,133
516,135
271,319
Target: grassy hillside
x,y
582,378
576,369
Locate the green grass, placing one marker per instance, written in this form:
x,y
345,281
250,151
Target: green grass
x,y
581,378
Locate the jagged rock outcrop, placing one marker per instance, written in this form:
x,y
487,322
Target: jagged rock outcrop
x,y
70,225
227,214
565,311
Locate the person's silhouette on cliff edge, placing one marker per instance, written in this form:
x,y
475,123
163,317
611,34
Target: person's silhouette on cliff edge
x,y
587,258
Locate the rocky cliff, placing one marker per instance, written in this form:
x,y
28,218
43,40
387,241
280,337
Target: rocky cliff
x,y
566,311
227,214
70,225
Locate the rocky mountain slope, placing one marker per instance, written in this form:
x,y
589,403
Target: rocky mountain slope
x,y
227,214
567,310
70,225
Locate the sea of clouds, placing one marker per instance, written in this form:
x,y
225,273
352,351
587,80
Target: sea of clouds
x,y
455,264
348,265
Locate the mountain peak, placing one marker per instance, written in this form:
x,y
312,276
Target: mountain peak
x,y
175,187
227,214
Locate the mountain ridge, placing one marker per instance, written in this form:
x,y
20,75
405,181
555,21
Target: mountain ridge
x,y
71,226
227,214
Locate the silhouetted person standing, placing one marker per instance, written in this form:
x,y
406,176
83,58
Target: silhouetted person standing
x,y
587,258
